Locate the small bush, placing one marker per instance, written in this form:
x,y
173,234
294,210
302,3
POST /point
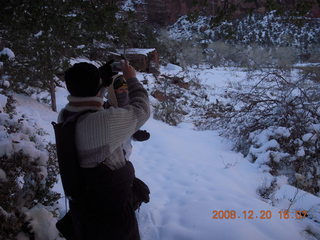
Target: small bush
x,y
28,171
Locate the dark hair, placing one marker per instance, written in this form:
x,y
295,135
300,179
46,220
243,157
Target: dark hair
x,y
82,80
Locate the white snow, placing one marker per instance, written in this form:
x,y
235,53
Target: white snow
x,y
307,137
39,34
171,69
128,6
78,60
142,51
191,174
5,83
42,223
8,52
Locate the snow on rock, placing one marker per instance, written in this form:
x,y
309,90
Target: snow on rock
x,y
141,51
171,69
8,52
42,222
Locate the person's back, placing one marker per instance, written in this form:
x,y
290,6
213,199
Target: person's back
x,y
105,210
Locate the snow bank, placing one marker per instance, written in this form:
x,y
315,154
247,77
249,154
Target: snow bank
x,y
191,174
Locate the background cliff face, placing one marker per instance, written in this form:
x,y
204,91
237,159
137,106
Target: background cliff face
x,y
165,12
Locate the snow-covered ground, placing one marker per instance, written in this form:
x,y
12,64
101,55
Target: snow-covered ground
x,y
192,173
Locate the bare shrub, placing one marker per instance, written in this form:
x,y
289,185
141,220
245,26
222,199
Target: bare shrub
x,y
276,123
171,101
179,98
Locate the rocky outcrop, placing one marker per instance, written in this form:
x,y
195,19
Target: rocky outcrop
x,y
164,12
144,60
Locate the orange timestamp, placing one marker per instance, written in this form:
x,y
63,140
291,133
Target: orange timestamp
x,y
262,214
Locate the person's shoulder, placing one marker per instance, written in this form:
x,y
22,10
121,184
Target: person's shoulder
x,y
110,112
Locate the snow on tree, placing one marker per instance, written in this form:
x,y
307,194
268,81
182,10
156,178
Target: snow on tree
x,y
28,171
274,120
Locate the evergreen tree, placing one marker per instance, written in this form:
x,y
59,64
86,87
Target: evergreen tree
x,y
46,34
38,32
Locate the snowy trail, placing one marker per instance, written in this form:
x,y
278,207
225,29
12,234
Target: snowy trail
x,y
190,174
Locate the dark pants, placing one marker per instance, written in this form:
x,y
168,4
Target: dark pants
x,y
105,211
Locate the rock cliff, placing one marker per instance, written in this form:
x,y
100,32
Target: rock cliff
x,y
164,12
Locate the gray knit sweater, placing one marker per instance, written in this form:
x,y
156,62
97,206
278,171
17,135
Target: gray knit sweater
x,y
100,135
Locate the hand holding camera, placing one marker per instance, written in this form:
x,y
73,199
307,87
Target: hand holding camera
x,y
112,68
123,66
128,70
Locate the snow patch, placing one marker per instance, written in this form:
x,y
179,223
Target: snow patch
x,y
39,34
140,51
7,52
42,222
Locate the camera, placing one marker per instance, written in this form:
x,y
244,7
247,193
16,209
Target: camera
x,y
116,67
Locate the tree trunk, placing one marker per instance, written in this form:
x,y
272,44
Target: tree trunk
x,y
53,95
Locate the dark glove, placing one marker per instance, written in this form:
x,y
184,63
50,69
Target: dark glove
x,y
141,193
106,73
141,135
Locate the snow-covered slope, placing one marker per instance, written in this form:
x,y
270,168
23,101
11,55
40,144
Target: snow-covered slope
x,y
191,174
269,29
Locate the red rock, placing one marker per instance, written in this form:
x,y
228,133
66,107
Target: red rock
x,y
143,60
166,12
160,96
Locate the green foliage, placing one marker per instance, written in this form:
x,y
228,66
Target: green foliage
x,y
45,34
